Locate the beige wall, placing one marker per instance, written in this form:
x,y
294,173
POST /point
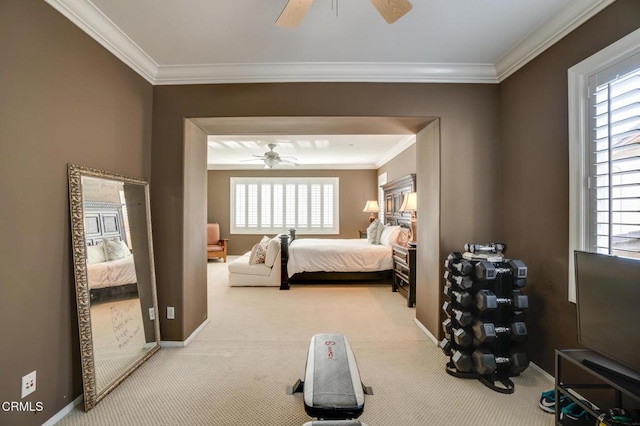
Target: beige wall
x,y
468,128
356,187
63,99
194,298
534,204
401,165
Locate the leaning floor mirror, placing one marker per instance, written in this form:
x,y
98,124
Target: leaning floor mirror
x,y
114,275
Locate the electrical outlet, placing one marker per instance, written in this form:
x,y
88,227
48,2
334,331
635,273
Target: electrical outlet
x,y
152,314
170,312
29,383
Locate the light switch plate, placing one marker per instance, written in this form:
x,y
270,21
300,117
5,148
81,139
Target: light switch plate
x,y
152,314
170,312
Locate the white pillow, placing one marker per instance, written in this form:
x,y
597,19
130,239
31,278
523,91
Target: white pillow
x,y
114,250
389,235
95,254
373,232
273,248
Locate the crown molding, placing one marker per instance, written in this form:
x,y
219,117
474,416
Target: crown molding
x,y
292,167
555,28
396,150
326,72
98,26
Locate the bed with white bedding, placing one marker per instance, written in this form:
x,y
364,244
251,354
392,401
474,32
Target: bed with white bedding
x,y
111,273
337,255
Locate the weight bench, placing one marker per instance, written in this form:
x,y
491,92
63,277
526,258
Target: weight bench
x,y
333,392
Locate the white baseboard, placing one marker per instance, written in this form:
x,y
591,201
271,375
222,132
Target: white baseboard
x,y
178,344
425,331
66,410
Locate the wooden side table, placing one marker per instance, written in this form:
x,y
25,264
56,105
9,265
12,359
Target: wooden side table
x,y
404,272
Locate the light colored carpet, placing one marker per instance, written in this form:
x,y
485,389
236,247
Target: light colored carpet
x,y
236,370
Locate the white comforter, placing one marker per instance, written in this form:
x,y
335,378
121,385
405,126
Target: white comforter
x,y
337,255
111,274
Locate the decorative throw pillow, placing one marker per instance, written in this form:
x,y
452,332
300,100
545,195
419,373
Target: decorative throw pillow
x,y
114,250
389,235
95,254
373,232
403,236
258,254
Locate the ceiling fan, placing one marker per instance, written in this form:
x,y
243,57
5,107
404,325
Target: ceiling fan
x,y
272,158
294,11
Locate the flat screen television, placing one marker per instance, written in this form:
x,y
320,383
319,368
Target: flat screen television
x,y
608,305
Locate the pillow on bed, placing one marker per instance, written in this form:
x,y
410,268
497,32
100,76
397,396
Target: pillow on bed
x,y
95,254
374,231
273,248
389,235
115,249
403,236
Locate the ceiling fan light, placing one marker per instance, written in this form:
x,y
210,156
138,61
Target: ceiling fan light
x,y
271,162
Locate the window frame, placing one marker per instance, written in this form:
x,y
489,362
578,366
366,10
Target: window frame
x,y
308,230
579,140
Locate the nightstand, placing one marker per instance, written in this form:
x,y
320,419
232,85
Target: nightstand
x,y
404,272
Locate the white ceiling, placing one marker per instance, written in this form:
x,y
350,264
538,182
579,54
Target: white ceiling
x,y
310,151
236,41
207,41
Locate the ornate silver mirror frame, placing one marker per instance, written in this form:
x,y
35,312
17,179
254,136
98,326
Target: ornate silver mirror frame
x,y
117,318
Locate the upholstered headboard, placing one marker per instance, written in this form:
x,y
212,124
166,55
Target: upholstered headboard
x,y
103,220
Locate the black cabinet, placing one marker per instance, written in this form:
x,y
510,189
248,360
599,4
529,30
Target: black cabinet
x,y
616,384
404,272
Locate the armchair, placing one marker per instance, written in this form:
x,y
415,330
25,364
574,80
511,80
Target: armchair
x,y
216,246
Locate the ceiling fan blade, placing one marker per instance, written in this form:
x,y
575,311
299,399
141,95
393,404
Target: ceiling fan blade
x,y
251,159
293,13
288,162
392,10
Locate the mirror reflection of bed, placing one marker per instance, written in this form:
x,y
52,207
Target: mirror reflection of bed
x,y
116,246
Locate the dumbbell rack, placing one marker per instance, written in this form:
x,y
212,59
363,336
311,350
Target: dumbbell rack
x,y
485,325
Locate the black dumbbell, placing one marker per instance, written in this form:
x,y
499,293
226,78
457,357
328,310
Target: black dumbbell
x,y
464,318
487,300
462,361
463,267
485,332
445,345
464,298
485,362
518,316
519,269
454,255
447,325
462,282
485,270
491,248
462,337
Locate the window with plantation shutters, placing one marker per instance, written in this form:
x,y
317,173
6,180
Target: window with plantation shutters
x,y
272,205
614,178
604,153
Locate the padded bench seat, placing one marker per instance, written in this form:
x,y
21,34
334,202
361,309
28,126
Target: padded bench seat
x,y
332,387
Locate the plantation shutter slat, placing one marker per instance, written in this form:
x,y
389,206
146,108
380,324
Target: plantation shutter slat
x,y
615,164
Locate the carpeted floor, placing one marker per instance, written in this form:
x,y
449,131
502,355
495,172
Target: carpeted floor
x,y
236,370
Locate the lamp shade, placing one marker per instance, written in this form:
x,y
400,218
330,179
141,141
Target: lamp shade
x,y
410,202
371,207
